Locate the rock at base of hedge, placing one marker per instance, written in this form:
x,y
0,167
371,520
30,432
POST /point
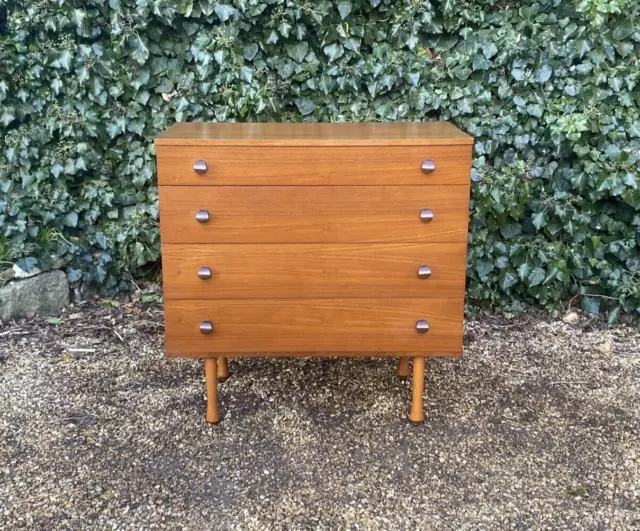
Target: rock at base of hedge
x,y
45,293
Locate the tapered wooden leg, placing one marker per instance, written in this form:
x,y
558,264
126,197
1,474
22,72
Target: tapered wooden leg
x,y
417,410
223,369
403,367
210,372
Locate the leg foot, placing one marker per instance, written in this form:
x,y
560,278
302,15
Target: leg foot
x,y
417,410
403,367
223,369
210,371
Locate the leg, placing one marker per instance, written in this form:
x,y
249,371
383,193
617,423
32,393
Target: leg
x,y
210,370
403,367
223,369
417,412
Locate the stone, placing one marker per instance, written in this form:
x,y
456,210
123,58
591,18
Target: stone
x,y
5,276
605,347
43,294
572,317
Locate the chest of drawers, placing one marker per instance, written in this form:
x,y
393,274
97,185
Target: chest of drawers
x,y
314,239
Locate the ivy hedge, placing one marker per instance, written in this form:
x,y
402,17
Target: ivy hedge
x,y
549,89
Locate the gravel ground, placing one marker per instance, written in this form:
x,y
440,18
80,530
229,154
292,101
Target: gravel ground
x,y
537,427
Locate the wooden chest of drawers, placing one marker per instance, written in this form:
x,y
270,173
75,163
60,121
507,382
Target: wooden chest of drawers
x,y
314,239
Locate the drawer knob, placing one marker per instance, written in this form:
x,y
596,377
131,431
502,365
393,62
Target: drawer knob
x,y
202,216
426,215
200,167
206,327
428,166
424,271
205,273
422,326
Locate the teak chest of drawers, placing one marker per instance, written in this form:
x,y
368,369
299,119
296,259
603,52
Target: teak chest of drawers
x,y
314,239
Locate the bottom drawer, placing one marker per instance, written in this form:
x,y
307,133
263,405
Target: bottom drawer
x,y
300,326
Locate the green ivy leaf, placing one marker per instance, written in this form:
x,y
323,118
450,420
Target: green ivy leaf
x,y
523,271
7,115
623,31
481,63
489,50
484,268
591,304
71,219
56,170
224,12
140,52
333,51
63,60
298,51
353,45
250,51
285,29
246,74
73,275
150,298
511,231
207,7
518,74
539,220
27,264
543,74
344,8
116,6
613,152
536,276
614,315
507,280
305,106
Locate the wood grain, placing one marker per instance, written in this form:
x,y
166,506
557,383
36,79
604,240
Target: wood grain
x,y
322,326
211,384
234,165
329,134
403,367
313,270
313,214
416,414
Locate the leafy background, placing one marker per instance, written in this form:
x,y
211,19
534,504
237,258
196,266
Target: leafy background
x,y
549,89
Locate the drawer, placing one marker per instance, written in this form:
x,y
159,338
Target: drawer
x,y
314,214
383,326
230,271
235,165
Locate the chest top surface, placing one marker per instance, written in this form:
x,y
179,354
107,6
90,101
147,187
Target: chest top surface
x,y
313,134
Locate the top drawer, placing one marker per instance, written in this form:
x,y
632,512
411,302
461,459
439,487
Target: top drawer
x,y
349,165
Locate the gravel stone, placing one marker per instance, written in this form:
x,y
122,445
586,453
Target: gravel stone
x,y
536,427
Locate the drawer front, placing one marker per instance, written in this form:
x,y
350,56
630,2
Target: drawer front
x,y
234,165
256,327
313,214
227,271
